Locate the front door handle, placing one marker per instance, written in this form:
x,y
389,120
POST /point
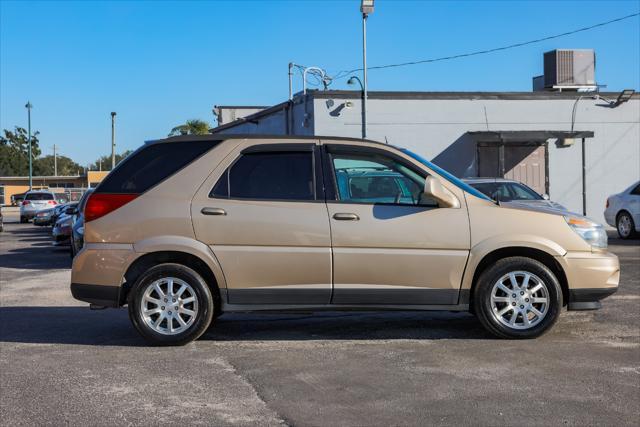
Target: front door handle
x,y
346,217
213,211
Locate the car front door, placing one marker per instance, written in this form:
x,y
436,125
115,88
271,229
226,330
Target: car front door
x,y
391,245
263,215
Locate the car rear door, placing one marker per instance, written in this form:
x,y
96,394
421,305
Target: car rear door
x,y
262,213
403,250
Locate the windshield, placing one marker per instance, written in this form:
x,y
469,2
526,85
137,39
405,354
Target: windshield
x,y
446,175
507,191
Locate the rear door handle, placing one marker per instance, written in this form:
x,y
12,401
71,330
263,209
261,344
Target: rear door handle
x,y
346,217
213,211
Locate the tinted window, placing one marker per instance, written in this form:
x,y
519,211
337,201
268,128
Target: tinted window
x,y
636,191
507,191
152,164
363,178
271,176
39,196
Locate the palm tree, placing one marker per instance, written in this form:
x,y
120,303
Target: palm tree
x,y
191,127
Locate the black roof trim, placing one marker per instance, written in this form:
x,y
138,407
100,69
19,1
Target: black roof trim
x,y
216,137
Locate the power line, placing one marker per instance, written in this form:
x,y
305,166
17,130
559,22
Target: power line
x,y
344,73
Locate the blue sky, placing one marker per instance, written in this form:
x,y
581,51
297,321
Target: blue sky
x,y
160,63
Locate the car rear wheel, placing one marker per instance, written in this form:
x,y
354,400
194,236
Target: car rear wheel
x,y
517,297
171,304
23,219
625,225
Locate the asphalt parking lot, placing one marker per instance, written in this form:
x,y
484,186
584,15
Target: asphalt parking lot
x,y
61,363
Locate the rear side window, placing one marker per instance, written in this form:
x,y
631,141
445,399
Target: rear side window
x,y
269,176
152,164
39,196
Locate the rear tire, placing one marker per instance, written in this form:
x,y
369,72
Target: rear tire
x,y
625,225
23,220
517,298
171,304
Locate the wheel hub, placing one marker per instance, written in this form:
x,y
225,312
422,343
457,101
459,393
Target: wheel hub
x,y
169,306
519,300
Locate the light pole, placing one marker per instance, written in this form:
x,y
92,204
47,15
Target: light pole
x,y
366,7
29,107
113,140
352,80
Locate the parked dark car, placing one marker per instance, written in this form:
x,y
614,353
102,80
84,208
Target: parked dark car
x,y
43,218
61,232
77,225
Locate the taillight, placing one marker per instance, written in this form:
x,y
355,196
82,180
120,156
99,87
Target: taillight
x,y
52,202
25,203
100,204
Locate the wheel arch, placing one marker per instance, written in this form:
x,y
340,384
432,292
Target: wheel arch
x,y
149,259
544,257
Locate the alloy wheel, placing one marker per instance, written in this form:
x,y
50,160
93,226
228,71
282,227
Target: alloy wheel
x,y
624,225
519,300
169,306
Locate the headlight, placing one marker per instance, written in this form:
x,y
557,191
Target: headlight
x,y
591,232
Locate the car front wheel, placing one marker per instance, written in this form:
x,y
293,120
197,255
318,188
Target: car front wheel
x,y
517,297
625,225
170,304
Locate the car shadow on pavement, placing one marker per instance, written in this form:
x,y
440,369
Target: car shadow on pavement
x,y
81,326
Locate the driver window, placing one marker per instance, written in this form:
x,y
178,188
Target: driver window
x,y
377,179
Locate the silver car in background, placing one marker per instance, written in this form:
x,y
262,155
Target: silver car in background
x,y
623,211
36,201
509,191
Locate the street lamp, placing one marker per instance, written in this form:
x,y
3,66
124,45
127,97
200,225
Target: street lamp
x,y
29,107
366,7
113,140
352,81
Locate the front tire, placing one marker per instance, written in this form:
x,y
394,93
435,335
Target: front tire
x,y
171,304
625,225
517,298
23,220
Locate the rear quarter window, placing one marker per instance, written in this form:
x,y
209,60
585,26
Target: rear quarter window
x,y
152,164
39,196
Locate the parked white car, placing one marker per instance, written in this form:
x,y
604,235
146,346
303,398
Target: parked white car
x,y
34,202
623,211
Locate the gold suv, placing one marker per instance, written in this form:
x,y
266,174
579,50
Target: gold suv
x,y
190,227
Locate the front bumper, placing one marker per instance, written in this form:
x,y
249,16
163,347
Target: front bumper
x,y
591,276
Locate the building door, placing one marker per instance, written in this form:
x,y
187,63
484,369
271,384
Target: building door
x,y
526,163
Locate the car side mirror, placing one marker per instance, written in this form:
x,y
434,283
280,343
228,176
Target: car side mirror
x,y
71,211
545,196
446,199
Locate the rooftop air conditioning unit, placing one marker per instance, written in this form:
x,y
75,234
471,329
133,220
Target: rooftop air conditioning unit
x,y
570,68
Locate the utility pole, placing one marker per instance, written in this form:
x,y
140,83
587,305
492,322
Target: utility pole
x,y
55,161
113,140
29,107
366,7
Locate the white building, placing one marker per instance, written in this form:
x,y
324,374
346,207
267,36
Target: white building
x,y
519,135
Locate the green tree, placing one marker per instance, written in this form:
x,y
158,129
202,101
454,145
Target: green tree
x,y
104,162
14,151
191,127
45,166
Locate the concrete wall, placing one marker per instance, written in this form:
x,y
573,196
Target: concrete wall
x,y
275,123
437,129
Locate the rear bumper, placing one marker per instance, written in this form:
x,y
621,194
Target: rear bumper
x,y
592,276
98,272
107,296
